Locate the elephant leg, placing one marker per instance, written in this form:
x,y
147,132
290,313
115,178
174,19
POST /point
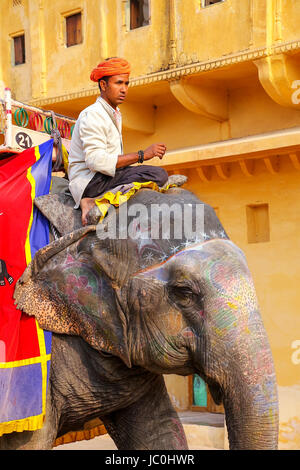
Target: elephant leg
x,y
151,423
27,440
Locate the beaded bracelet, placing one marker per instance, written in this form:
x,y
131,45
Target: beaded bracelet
x,y
141,156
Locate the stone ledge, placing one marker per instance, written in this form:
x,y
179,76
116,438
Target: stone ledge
x,y
281,142
180,71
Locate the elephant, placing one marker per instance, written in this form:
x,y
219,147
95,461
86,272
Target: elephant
x,y
126,311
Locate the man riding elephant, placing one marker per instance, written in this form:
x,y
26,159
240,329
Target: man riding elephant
x,y
96,160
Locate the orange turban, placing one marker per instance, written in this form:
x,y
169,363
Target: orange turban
x,y
109,67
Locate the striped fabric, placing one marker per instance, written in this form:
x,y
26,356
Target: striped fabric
x,y
25,349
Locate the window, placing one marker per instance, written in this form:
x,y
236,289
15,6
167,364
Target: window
x,y
19,49
139,13
200,398
199,392
206,3
73,29
258,223
17,3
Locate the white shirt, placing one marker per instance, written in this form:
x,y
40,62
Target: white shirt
x,y
95,146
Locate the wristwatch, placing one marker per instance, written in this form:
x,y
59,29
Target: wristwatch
x,y
141,156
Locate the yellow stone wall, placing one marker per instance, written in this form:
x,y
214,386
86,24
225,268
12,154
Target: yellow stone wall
x,y
203,81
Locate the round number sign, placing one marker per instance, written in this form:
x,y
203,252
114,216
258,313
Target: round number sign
x,y
23,140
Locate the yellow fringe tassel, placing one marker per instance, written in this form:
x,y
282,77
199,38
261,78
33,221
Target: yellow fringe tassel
x,y
27,424
84,435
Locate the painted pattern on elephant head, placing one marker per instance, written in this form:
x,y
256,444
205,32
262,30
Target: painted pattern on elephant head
x,y
83,287
210,297
80,284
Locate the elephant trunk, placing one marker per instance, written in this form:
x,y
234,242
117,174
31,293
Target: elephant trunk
x,y
248,389
239,370
251,413
238,362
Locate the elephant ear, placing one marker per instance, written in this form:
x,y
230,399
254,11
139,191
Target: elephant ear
x,y
69,293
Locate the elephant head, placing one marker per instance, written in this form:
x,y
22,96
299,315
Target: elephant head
x,y
167,305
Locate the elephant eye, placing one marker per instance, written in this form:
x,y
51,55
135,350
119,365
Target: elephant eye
x,y
184,295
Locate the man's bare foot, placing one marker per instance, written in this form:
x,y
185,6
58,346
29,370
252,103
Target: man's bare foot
x,y
86,205
93,216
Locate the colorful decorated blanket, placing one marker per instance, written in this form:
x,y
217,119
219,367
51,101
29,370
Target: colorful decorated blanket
x,y
25,349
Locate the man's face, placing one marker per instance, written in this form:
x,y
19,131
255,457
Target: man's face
x,y
116,90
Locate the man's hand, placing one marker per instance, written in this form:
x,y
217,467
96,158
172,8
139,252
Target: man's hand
x,y
155,150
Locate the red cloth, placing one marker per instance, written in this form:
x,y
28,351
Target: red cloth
x,y
16,207
110,67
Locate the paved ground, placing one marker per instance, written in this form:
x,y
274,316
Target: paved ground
x,y
98,443
204,419
205,428
106,443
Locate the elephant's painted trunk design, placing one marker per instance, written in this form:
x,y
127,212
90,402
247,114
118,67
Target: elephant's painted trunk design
x,y
251,414
250,398
236,342
247,388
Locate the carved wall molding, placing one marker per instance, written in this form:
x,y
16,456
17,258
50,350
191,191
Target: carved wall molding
x,y
247,167
272,164
204,173
178,72
211,171
223,170
198,67
210,102
295,159
279,74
